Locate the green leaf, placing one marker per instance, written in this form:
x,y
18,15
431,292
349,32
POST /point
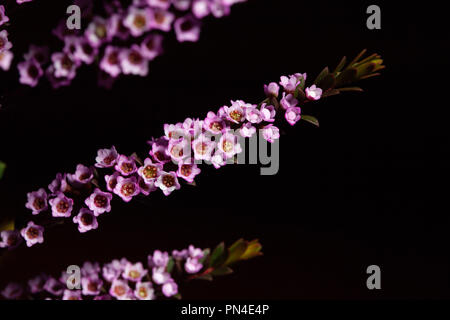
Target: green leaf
x,y
340,66
218,256
310,119
321,75
253,250
236,251
170,265
222,271
207,277
2,169
328,82
359,56
206,253
177,296
346,77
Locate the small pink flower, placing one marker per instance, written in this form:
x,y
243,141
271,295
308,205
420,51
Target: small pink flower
x,y
290,83
192,265
37,201
195,253
144,291
10,239
170,288
106,158
158,259
271,133
146,188
214,123
81,176
59,184
30,72
126,165
99,202
288,101
32,234
253,115
5,45
38,53
203,147
110,62
132,61
111,181
187,29
86,220
178,149
138,20
65,65
160,276
236,113
151,46
127,188
150,171
229,145
268,112
119,289
272,90
61,206
3,17
167,182
161,4
313,92
247,130
12,291
71,295
91,286
134,272
200,8
98,31
6,58
187,170
181,5
162,20
293,115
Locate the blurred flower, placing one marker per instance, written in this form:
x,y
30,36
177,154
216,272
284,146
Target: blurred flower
x,y
170,288
106,158
271,133
187,29
144,291
5,45
12,291
10,239
3,17
126,165
6,58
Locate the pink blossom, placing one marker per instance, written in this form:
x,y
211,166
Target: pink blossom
x,y
313,93
127,188
293,115
32,234
86,220
61,206
167,182
271,133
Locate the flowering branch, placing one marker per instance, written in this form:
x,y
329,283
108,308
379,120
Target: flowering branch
x,y
173,158
124,280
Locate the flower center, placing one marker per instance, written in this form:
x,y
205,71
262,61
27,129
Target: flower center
x,y
62,206
38,203
112,183
2,43
135,57
100,201
236,115
227,146
134,274
127,167
113,58
100,31
139,21
66,62
87,49
186,170
143,292
128,189
168,181
186,25
32,233
216,126
150,172
119,290
160,17
87,219
33,72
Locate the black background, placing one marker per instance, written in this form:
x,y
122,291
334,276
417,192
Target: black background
x,y
366,188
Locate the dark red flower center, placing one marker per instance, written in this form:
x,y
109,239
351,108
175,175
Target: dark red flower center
x,y
168,180
127,167
150,172
38,203
32,233
186,170
87,219
128,189
62,206
100,201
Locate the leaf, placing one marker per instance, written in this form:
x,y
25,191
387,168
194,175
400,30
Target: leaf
x,y
218,256
359,56
330,93
2,169
253,250
177,296
346,77
206,253
340,66
170,265
207,277
321,75
348,89
222,271
310,119
328,82
236,251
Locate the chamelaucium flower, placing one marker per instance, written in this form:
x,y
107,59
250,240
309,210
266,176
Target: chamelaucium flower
x,y
154,279
172,161
136,29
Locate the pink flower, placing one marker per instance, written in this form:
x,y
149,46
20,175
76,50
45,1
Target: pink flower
x,y
61,206
162,20
59,184
187,29
10,239
178,149
72,295
81,176
99,202
200,8
65,65
192,265
150,171
86,220
126,165
38,53
159,259
133,62
3,17
134,272
181,5
313,93
127,188
151,46
91,286
203,147
167,182
5,45
195,253
98,31
106,158
110,62
30,72
6,58
272,90
170,288
247,130
290,83
160,276
144,291
54,286
229,145
236,113
161,4
119,289
268,112
37,201
37,283
111,181
12,291
214,123
271,133
288,101
32,234
293,115
253,115
138,20
187,170
146,188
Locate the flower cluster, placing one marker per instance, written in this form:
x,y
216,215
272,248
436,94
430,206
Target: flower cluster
x,y
122,41
172,158
157,278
